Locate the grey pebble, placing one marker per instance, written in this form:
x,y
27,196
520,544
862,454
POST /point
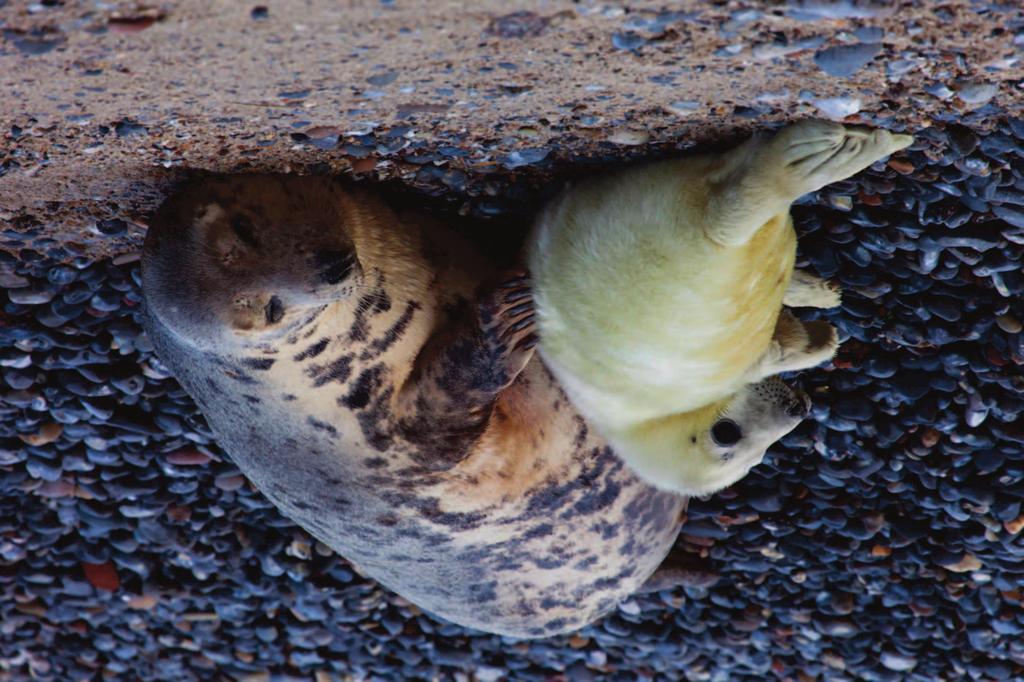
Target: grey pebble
x,y
843,61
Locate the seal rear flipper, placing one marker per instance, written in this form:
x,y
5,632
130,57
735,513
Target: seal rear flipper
x,y
680,569
758,180
449,399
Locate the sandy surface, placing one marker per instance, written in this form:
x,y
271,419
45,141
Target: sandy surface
x,y
106,104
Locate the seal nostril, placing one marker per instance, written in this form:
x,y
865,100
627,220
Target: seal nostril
x,y
274,310
334,266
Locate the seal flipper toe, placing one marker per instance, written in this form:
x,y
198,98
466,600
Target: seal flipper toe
x,y
449,399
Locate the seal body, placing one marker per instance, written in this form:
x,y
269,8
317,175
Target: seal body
x,y
352,361
659,294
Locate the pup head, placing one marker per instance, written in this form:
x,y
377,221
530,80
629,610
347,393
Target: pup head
x,y
240,261
722,442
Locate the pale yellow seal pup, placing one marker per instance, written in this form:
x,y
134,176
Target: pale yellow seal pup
x,y
658,293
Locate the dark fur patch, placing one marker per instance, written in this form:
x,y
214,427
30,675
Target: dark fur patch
x,y
372,303
375,462
337,370
261,364
549,563
375,417
539,531
582,431
364,387
322,426
240,376
312,351
458,521
393,334
483,592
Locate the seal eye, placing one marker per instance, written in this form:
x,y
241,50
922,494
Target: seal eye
x,y
334,266
243,229
274,310
726,432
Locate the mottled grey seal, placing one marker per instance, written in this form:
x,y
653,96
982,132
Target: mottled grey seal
x,y
351,360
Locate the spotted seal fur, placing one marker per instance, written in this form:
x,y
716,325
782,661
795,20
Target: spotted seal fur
x,y
357,366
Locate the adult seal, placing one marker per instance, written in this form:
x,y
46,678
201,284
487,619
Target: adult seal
x,y
358,367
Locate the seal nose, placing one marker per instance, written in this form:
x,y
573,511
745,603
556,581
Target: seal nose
x,y
800,407
334,266
273,311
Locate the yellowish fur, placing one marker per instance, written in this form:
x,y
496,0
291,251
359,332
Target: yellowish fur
x,y
658,292
627,262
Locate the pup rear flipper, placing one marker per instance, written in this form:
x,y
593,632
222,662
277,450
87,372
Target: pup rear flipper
x,y
760,179
795,345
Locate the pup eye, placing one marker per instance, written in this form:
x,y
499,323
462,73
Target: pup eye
x,y
726,432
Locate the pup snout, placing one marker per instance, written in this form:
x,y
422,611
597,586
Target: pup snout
x,y
800,406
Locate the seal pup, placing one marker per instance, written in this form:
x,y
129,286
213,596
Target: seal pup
x,y
659,294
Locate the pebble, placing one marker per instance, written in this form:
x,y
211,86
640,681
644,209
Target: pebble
x,y
523,157
838,107
30,295
229,482
683,107
188,458
102,576
44,436
843,61
628,40
1009,324
977,93
966,564
897,662
629,137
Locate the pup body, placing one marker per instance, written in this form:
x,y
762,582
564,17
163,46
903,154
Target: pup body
x,y
659,291
348,359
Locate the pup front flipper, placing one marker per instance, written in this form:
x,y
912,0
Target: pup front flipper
x,y
796,345
810,291
458,378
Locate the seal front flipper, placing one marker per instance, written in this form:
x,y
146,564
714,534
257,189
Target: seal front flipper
x,y
807,290
450,396
795,345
